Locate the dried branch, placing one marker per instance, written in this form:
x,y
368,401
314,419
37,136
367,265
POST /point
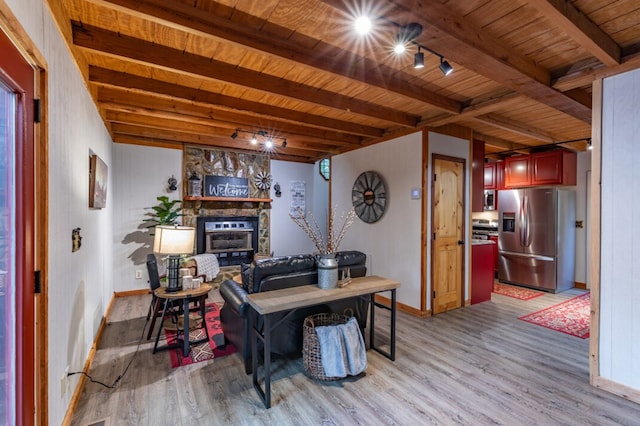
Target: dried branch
x,y
313,231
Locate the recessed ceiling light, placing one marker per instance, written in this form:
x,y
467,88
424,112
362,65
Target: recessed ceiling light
x,y
363,25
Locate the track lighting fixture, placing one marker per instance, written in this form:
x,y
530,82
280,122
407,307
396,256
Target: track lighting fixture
x,y
406,35
260,135
445,67
418,59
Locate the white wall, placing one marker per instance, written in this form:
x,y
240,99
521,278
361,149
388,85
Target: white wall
x,y
619,350
393,243
80,284
286,237
140,175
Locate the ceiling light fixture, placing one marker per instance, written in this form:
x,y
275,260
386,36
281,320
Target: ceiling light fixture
x,y
260,136
406,35
445,67
418,59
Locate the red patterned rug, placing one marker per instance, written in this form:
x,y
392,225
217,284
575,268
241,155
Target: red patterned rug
x,y
214,348
520,293
572,316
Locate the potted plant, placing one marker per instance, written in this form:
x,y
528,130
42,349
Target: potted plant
x,y
165,213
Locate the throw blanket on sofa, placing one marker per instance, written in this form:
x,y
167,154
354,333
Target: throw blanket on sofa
x,y
207,265
342,349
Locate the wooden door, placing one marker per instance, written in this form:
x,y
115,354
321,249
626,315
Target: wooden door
x,y
447,233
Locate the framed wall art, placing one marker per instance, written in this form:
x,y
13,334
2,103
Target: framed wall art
x,y
98,174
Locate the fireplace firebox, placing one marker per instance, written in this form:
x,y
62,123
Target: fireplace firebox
x,y
233,239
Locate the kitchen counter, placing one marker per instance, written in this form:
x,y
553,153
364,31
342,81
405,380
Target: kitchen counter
x,y
477,242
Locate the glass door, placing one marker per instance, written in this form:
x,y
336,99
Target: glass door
x,y
17,237
7,255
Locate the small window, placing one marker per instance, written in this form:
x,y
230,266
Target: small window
x,y
324,166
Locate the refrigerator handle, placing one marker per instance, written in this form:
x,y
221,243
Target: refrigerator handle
x,y
527,233
522,219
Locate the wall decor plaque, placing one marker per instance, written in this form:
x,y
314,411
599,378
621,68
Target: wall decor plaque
x,y
227,187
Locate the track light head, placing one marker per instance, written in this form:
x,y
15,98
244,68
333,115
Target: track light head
x,y
284,143
234,134
254,139
269,143
418,59
445,67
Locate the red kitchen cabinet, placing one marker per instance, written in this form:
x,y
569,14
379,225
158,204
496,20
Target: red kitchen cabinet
x,y
477,188
543,168
517,172
499,175
490,176
554,168
481,272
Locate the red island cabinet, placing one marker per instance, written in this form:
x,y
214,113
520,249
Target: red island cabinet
x,y
482,266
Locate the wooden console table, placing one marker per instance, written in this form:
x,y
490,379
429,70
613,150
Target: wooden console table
x,y
291,299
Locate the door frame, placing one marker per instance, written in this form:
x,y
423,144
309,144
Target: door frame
x,y
434,157
36,408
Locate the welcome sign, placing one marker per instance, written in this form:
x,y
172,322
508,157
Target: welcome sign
x,y
228,187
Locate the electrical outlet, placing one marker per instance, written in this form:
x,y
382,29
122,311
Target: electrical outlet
x,y
138,274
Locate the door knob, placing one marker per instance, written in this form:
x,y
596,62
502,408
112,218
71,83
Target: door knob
x,y
460,242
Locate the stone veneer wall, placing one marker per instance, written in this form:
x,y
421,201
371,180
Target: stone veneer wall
x,y
206,161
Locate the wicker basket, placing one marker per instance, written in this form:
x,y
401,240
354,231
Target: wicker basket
x,y
311,358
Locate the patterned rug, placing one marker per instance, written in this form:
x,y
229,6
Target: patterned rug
x,y
520,293
214,348
572,316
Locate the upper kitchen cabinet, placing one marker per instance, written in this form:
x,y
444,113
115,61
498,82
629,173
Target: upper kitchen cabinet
x,y
543,168
494,175
477,193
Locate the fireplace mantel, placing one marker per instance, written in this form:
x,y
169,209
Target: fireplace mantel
x,y
230,199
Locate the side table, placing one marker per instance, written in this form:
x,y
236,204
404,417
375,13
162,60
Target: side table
x,y
186,296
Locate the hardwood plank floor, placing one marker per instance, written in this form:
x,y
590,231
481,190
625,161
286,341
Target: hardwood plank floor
x,y
478,365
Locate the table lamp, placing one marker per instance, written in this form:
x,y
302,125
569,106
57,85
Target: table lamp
x,y
173,241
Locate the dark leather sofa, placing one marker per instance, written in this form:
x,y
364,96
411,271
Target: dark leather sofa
x,y
277,273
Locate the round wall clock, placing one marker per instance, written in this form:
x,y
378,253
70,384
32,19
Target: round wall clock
x,y
369,196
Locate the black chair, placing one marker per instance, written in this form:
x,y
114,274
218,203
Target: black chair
x,y
157,304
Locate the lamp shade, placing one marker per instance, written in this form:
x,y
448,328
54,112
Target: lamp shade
x,y
174,240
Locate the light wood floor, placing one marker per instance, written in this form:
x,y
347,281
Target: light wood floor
x,y
472,366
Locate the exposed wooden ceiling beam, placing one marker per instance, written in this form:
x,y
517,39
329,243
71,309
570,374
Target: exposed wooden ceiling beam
x,y
122,129
475,107
156,142
154,106
321,57
515,127
138,50
124,80
189,126
461,41
567,18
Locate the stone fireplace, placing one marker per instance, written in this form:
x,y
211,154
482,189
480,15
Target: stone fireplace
x,y
222,226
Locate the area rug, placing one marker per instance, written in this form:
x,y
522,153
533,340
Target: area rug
x,y
572,316
520,293
213,348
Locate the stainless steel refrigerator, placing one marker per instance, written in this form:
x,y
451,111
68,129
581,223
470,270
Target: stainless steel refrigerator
x,y
536,238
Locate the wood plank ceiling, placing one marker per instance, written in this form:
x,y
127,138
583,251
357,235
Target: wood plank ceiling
x,y
168,72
